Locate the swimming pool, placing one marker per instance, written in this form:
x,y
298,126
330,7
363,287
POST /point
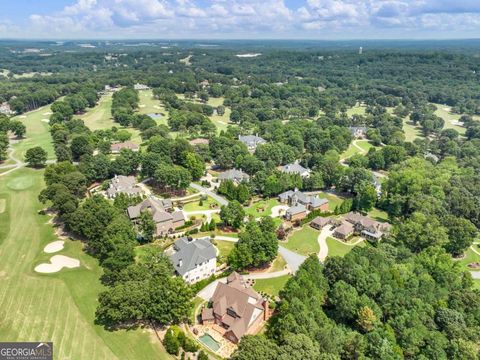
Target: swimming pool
x,y
209,341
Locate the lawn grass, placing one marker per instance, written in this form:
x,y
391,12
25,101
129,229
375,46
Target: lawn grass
x,y
267,205
271,286
337,248
411,131
142,250
195,205
303,241
378,215
333,200
470,257
356,110
149,105
224,248
278,264
56,307
38,133
364,144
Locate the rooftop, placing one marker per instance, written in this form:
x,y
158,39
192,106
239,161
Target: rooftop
x,y
190,253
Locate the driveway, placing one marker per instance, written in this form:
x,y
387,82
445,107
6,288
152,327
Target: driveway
x,y
220,199
322,242
293,259
207,292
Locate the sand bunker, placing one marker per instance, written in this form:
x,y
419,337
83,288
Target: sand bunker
x,y
47,113
22,116
142,106
54,246
57,262
45,120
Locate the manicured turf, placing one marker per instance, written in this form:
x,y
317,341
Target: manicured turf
x,y
378,214
267,206
333,200
224,248
278,264
444,112
471,257
356,110
362,148
364,144
149,105
337,248
195,205
271,286
38,133
303,241
56,307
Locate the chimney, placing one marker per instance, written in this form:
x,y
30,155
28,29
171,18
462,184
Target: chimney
x,y
265,310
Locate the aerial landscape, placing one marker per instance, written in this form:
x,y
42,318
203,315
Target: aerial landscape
x,y
233,180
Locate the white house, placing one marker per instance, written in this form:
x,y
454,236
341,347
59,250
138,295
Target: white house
x,y
296,168
194,259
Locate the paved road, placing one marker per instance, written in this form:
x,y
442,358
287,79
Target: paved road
x,y
220,199
293,259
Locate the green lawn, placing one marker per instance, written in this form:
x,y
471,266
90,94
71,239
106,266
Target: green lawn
x,y
271,286
195,205
333,200
471,257
56,307
267,205
303,241
444,112
412,132
224,248
378,214
362,148
149,105
364,144
100,116
337,248
278,264
356,110
38,133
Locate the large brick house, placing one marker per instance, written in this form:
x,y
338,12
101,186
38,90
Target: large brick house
x,y
238,309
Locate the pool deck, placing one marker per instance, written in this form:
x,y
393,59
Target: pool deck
x,y
216,332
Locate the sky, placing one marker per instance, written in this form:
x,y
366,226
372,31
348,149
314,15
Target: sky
x,y
240,19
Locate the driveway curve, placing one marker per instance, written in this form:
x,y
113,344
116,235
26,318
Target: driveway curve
x,y
220,199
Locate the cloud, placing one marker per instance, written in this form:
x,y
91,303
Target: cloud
x,y
257,19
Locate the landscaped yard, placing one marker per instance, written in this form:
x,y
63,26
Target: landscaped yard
x,y
206,205
378,214
333,200
265,205
271,286
303,241
338,248
278,264
356,110
61,306
471,257
224,248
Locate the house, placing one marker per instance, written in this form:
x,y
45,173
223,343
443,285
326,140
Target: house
x,y
115,148
252,141
125,185
237,176
367,227
311,202
320,222
296,168
238,309
194,259
297,212
199,141
344,231
138,86
358,132
5,109
165,218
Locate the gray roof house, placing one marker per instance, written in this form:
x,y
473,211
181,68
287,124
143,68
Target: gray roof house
x,y
123,184
295,168
194,259
252,141
166,221
295,197
237,176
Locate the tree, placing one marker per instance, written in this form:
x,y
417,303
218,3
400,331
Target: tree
x,y
255,348
421,231
80,146
194,163
257,245
366,319
232,214
461,234
147,226
171,342
202,355
36,157
172,177
366,196
3,146
18,128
